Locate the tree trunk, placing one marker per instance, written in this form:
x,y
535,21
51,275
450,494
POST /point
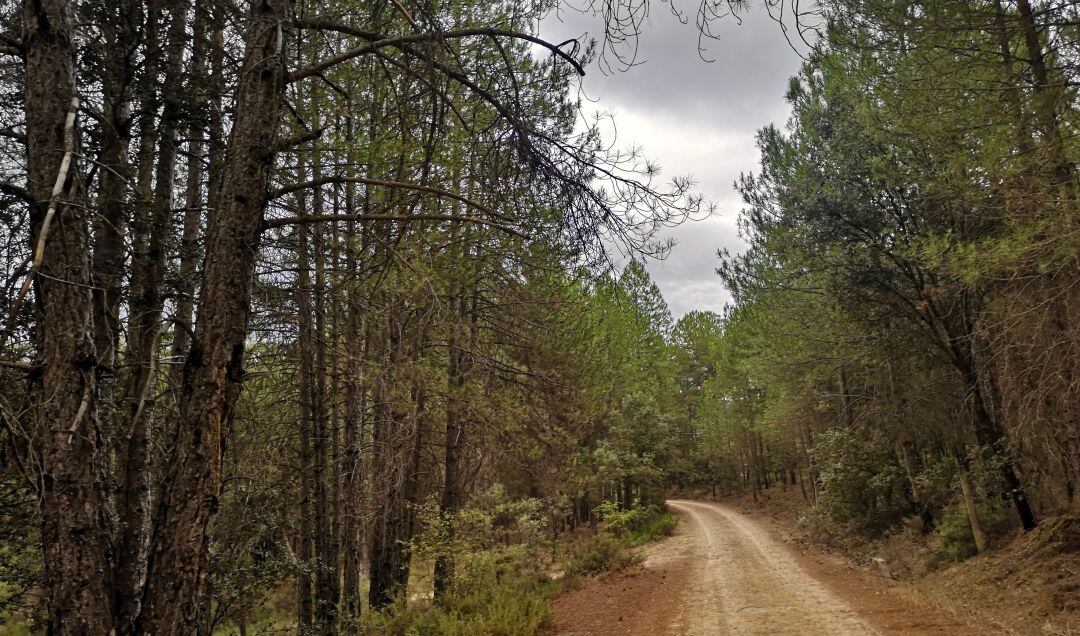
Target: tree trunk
x,y
385,568
214,370
969,505
144,331
993,446
305,604
396,468
355,411
454,443
74,520
1045,96
847,415
110,222
326,584
193,199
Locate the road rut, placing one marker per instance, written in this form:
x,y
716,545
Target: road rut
x,y
746,583
722,573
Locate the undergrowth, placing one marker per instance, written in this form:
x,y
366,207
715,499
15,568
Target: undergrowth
x,y
493,594
506,590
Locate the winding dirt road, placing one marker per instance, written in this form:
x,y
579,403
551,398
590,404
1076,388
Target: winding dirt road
x,y
747,584
723,574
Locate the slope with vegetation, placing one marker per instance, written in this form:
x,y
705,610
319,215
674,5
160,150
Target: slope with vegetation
x,y
306,303
903,343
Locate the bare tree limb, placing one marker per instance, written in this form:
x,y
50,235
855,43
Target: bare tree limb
x,y
320,218
439,192
296,140
16,191
377,41
54,201
13,43
21,366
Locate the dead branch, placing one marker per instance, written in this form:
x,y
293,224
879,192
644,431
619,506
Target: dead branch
x,y
54,201
439,192
407,218
377,41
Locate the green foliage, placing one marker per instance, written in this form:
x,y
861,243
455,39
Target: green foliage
x,y
655,526
498,592
20,572
599,553
638,525
612,548
861,482
954,539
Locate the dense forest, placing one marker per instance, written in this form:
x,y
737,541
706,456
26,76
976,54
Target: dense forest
x,y
334,316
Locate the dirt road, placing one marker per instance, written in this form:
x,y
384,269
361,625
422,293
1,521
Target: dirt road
x,y
723,574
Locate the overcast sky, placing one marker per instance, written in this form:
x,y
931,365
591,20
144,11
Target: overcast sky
x,y
693,117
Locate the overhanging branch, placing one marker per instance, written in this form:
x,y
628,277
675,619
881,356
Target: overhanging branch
x,y
439,192
406,218
377,41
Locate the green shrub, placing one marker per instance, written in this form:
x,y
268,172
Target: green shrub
x,y
862,484
657,525
618,522
954,539
602,552
640,525
498,592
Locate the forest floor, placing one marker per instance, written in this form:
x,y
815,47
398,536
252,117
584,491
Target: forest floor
x,y
723,572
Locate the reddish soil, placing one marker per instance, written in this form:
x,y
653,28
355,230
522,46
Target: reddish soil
x,y
725,573
1027,584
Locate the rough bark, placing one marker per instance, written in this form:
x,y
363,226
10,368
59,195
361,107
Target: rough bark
x,y
110,222
326,574
305,548
454,443
994,444
394,467
355,407
452,495
144,332
972,511
213,373
1045,96
386,531
352,461
74,526
193,199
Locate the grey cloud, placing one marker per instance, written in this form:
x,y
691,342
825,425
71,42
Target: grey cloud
x,y
694,118
687,277
740,89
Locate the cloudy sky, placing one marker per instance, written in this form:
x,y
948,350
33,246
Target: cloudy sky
x,y
694,118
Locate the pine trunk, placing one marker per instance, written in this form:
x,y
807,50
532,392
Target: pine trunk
x,y
214,371
75,542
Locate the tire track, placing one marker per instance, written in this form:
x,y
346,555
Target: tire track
x,y
750,584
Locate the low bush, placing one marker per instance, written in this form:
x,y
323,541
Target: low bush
x,y
498,592
954,540
861,483
657,525
639,525
601,552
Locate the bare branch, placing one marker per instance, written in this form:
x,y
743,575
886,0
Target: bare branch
x,y
296,140
314,183
407,218
54,201
11,45
377,41
16,191
21,366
